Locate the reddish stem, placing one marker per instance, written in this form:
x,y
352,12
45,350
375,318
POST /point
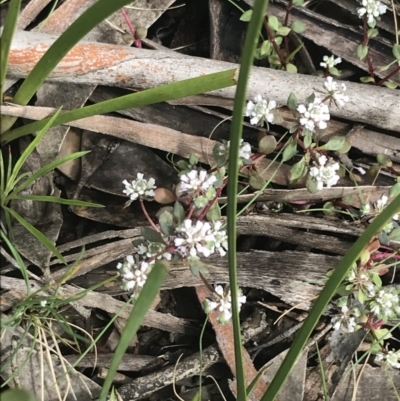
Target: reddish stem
x,y
147,216
137,42
286,39
271,37
394,72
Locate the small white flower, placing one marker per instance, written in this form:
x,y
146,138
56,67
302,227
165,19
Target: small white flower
x,y
43,303
336,92
386,303
193,238
149,249
392,358
260,111
372,9
197,181
325,172
314,115
330,62
221,301
219,238
133,275
244,150
378,206
139,188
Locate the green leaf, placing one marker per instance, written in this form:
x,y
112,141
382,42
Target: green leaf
x,y
345,148
292,102
278,41
390,85
246,16
273,22
298,170
395,234
166,222
291,68
142,305
200,201
36,233
293,53
220,159
335,72
383,160
334,143
395,190
362,51
290,150
372,33
182,164
298,26
214,214
396,51
179,213
298,3
220,175
151,235
283,31
265,48
256,180
267,144
311,185
10,25
367,79
193,159
17,395
307,140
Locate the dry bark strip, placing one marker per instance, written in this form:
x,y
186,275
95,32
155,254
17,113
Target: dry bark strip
x,y
104,64
107,303
224,335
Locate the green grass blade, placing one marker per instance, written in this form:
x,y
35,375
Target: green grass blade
x,y
56,199
46,169
326,295
236,134
142,305
36,233
98,12
17,394
29,149
10,25
163,93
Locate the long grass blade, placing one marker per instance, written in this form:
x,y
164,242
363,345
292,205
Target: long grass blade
x,y
236,134
10,26
55,199
36,233
163,93
142,305
326,295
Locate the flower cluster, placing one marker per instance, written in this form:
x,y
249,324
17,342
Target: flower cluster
x,y
244,150
347,320
133,274
148,249
386,304
391,358
196,181
260,111
330,62
221,301
314,114
325,172
372,10
139,188
336,92
198,238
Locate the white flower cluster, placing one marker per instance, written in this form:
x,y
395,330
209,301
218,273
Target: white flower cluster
x,y
346,320
314,114
244,150
363,280
391,358
133,274
372,9
330,62
368,210
221,301
198,238
386,304
336,92
139,188
150,249
260,111
196,181
325,172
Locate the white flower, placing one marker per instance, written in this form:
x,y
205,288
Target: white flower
x,y
193,238
244,150
386,304
219,238
139,188
392,358
378,206
221,301
314,114
43,303
336,93
330,62
133,274
325,173
372,9
260,111
197,180
346,319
